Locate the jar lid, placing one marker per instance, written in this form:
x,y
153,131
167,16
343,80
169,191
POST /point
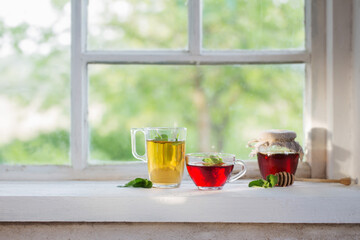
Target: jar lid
x,y
277,135
276,141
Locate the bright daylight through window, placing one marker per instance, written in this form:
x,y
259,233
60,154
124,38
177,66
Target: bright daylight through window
x,y
223,104
35,82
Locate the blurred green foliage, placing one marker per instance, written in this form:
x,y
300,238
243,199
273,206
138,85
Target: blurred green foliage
x,y
253,24
239,102
233,103
50,148
137,24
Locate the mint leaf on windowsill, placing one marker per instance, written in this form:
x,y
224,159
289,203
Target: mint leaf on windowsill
x,y
138,183
271,181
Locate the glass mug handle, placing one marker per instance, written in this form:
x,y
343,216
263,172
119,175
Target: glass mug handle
x,y
241,173
133,143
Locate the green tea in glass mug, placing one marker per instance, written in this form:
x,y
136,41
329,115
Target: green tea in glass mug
x,y
164,153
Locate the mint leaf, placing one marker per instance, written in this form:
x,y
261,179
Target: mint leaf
x,y
257,183
272,179
162,137
213,160
208,160
138,183
148,184
129,184
266,184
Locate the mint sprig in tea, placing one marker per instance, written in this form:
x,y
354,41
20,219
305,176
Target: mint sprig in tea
x,y
212,160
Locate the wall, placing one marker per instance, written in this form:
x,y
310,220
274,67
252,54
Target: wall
x,y
356,87
343,85
198,231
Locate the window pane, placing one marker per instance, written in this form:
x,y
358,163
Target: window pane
x,y
34,73
223,107
253,24
137,24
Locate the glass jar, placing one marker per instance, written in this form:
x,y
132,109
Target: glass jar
x,y
276,151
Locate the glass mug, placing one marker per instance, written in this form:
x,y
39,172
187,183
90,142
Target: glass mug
x,y
164,153
214,174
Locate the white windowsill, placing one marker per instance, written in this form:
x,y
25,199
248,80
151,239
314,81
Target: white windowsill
x,y
90,201
124,171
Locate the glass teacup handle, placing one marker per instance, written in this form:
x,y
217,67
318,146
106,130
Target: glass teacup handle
x,y
133,143
241,173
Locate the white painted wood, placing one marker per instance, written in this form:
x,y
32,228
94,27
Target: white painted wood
x,y
315,125
195,26
356,89
207,57
104,202
79,141
125,171
340,135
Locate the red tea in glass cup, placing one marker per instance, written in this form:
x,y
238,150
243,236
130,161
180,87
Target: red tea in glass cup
x,y
212,175
209,176
277,162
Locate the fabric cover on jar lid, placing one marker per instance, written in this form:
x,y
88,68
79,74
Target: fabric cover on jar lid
x,y
276,141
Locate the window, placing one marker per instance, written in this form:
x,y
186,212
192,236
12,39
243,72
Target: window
x,y
164,63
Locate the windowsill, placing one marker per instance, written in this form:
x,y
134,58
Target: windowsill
x,y
124,171
89,201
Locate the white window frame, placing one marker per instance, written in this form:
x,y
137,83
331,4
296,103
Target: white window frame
x,y
316,99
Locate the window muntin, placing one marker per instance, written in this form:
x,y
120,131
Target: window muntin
x,y
35,82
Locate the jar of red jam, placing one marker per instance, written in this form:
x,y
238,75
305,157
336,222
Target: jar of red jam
x,y
276,151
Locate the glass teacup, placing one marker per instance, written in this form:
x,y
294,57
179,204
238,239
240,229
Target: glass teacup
x,y
210,171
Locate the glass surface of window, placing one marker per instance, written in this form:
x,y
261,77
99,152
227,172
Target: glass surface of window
x,y
35,82
137,24
223,107
254,24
